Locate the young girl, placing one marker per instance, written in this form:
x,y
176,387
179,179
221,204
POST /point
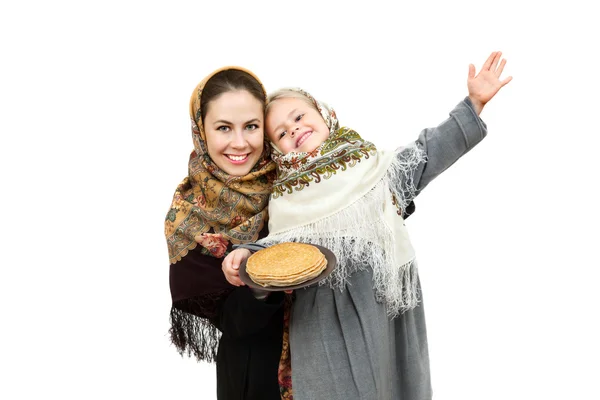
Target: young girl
x,y
362,334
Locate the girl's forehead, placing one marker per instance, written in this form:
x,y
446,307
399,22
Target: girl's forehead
x,y
280,108
285,105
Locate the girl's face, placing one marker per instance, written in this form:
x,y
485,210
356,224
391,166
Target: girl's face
x,y
293,125
234,131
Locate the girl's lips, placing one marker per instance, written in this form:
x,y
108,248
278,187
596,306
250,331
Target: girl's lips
x,y
237,159
303,138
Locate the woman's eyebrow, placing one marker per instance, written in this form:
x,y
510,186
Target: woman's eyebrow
x,y
222,121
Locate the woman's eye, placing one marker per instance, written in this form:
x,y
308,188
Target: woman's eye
x,y
299,117
223,128
251,127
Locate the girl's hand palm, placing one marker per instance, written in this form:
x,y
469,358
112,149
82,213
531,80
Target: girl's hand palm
x,y
483,86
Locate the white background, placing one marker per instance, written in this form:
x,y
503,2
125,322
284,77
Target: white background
x,y
95,137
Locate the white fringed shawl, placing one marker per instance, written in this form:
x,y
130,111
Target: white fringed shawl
x,y
348,196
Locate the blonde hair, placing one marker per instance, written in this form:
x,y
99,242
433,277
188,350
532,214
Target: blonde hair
x,y
286,93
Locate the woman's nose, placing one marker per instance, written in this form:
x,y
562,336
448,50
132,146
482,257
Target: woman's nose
x,y
239,140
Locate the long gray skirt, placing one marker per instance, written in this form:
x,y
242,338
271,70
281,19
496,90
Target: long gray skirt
x,y
344,346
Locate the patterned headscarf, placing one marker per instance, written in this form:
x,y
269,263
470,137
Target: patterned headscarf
x,y
211,207
297,169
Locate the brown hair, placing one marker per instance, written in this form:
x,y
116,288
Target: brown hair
x,y
230,80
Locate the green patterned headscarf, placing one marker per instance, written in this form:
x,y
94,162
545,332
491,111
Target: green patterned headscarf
x,y
342,149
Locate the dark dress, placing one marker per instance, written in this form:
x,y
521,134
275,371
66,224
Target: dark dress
x,y
251,330
250,347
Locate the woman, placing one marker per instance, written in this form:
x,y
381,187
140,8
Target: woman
x,y
223,201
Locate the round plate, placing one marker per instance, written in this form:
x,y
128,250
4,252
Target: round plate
x,y
331,263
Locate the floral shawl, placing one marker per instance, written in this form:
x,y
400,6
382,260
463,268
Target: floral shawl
x,y
209,199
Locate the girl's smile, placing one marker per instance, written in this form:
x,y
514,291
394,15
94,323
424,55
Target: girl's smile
x,y
302,138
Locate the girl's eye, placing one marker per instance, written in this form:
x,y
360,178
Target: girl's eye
x,y
223,128
299,117
282,134
252,127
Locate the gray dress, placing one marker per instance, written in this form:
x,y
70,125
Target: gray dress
x,y
343,344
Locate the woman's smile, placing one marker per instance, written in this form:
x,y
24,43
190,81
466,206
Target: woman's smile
x,y
237,158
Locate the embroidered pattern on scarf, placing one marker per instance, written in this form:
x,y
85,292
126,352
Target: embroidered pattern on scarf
x,y
342,151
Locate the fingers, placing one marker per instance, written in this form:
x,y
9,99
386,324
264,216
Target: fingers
x,y
489,61
229,263
235,281
226,262
505,81
495,63
226,267
471,71
235,265
230,270
233,277
237,259
496,60
500,68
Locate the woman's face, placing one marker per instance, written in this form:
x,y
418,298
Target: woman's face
x,y
234,126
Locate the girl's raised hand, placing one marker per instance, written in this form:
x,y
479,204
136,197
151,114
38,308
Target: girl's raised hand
x,y
483,86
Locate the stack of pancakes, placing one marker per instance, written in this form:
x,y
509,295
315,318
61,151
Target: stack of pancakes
x,y
285,264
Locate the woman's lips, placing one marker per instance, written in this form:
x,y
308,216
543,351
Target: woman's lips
x,y
237,159
302,138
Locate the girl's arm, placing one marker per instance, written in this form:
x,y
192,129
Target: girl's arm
x,y
446,143
453,138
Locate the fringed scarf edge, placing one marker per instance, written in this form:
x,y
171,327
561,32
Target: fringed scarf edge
x,y
369,240
191,334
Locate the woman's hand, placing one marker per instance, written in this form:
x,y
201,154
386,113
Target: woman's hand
x,y
231,266
483,86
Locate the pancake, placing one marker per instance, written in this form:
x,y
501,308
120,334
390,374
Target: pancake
x,y
285,264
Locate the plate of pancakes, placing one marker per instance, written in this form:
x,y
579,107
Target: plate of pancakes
x,y
287,266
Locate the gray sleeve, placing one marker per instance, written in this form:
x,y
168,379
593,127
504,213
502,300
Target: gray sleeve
x,y
444,145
